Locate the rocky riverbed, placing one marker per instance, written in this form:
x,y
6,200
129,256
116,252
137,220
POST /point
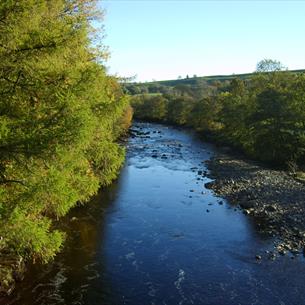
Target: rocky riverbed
x,y
274,198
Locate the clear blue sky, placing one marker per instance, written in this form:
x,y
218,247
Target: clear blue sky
x,y
165,39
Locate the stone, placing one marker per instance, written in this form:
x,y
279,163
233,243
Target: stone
x,y
247,204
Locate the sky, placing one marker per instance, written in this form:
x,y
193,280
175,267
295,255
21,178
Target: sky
x,y
158,40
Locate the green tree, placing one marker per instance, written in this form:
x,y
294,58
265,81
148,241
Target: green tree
x,y
204,116
278,120
60,115
150,107
269,65
237,106
179,109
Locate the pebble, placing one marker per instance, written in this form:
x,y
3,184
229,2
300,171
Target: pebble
x,y
273,197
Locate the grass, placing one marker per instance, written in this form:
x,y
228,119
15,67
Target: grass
x,y
209,79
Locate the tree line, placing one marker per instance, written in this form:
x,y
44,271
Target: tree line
x,y
263,115
60,118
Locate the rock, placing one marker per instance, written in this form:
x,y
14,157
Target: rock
x,y
247,204
271,208
208,185
258,257
272,256
295,251
271,196
154,156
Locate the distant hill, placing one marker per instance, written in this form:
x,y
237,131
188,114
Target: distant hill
x,y
199,85
209,79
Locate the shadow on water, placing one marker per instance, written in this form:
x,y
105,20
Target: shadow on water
x,y
158,236
67,278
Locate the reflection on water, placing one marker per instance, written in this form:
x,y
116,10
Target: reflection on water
x,y
157,236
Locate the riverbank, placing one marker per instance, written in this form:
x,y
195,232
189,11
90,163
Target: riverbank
x,y
274,198
157,235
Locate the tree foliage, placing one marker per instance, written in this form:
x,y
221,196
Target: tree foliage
x,y
60,114
150,107
264,116
269,65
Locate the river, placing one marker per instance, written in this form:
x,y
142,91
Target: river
x,y
157,236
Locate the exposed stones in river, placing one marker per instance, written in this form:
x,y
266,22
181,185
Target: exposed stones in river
x,y
273,197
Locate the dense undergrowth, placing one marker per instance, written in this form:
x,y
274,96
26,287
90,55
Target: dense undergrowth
x,y
60,117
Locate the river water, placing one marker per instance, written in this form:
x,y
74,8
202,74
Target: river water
x,y
157,236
